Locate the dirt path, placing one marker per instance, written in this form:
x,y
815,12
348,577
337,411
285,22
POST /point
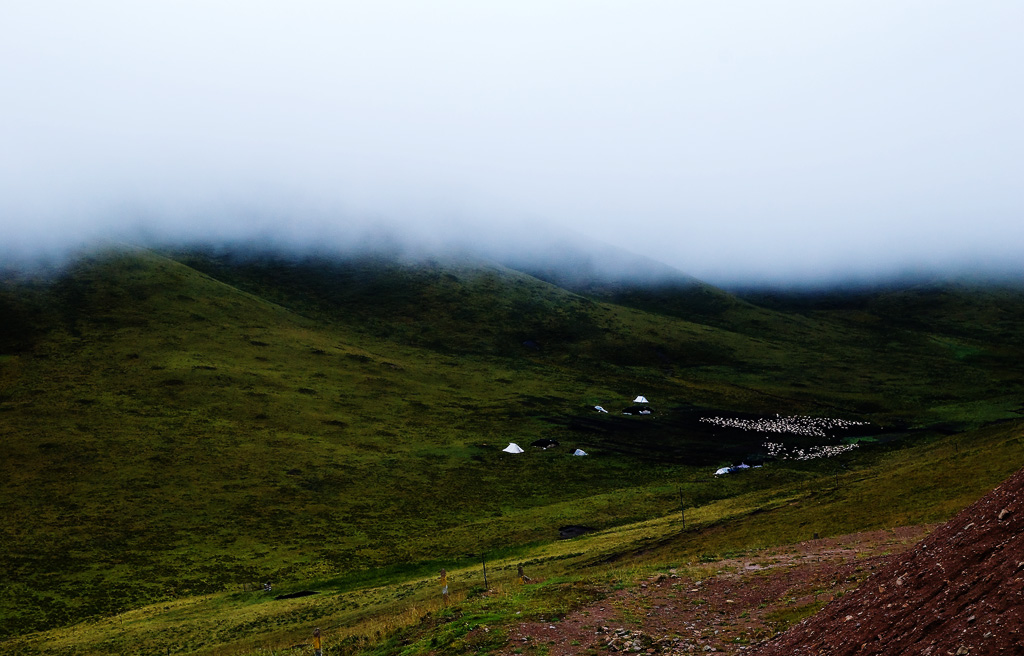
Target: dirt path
x,y
741,602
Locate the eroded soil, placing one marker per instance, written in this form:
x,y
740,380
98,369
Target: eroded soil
x,y
734,605
959,592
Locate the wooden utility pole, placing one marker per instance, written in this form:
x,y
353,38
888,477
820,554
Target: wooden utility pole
x,y
483,560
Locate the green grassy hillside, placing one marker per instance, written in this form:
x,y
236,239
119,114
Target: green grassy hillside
x,y
187,423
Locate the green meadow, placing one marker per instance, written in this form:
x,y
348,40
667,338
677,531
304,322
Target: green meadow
x,y
178,427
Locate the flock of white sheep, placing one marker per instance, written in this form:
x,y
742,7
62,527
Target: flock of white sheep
x,y
794,425
782,452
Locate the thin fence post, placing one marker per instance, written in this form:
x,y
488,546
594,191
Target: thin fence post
x,y
682,507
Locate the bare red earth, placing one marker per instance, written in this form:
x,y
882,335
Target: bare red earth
x,y
959,592
738,604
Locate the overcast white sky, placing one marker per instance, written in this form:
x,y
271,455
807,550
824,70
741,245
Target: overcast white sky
x,y
759,140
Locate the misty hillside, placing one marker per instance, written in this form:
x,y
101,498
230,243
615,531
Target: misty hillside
x,y
667,328
181,422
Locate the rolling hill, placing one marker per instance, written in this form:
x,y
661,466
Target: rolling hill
x,y
183,422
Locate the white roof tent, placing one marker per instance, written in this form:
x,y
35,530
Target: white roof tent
x,y
732,470
641,399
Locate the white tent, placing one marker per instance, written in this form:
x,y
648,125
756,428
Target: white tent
x,y
513,448
641,399
600,409
579,452
723,470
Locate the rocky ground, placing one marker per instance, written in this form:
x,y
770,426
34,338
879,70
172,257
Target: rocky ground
x,y
740,603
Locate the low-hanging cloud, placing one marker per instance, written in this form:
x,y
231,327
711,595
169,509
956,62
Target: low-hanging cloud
x,y
740,142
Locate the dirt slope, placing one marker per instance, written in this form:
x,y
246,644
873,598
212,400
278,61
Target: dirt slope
x,y
735,603
959,592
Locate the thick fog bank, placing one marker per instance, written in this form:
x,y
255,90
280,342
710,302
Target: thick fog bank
x,y
559,254
743,143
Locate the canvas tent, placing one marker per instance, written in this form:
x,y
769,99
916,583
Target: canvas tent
x,y
579,452
641,399
513,448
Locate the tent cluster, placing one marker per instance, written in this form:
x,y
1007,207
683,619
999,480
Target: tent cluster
x,y
639,407
515,448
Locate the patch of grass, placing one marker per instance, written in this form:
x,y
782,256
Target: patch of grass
x,y
783,618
